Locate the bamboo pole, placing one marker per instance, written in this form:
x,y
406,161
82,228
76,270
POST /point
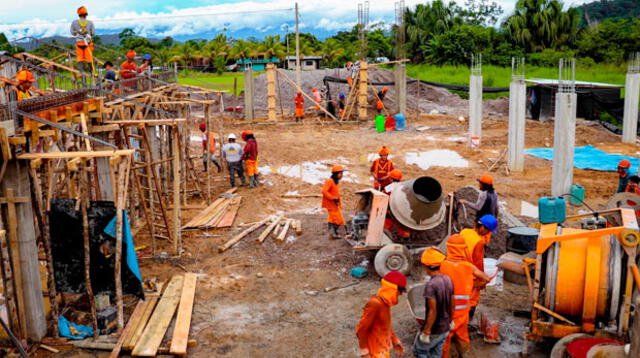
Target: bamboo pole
x,y
84,203
177,241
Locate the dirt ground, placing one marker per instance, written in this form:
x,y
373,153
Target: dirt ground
x,y
268,300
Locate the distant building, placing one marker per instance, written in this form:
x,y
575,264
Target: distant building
x,y
257,63
307,63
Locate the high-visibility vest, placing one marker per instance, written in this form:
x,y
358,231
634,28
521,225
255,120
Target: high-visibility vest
x,y
211,141
381,169
20,95
461,273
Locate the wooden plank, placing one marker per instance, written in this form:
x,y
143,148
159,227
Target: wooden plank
x,y
70,155
183,318
136,332
133,321
4,143
149,122
241,235
285,229
228,218
12,218
269,228
153,334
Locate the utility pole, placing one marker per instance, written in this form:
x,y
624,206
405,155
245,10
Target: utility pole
x,y
298,69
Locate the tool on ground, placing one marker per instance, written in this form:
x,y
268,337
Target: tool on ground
x,y
329,289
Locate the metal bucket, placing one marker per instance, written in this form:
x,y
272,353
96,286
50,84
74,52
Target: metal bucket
x,y
417,204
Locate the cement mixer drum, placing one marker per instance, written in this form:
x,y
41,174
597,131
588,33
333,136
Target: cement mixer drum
x,y
417,204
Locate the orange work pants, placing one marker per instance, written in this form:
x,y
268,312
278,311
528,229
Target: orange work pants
x,y
335,217
460,334
84,53
250,167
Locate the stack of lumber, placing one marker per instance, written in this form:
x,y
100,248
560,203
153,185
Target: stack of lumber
x,y
220,214
277,226
147,326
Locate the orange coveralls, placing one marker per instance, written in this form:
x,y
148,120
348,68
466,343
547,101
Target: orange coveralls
x,y
128,70
374,330
381,170
331,192
299,100
475,254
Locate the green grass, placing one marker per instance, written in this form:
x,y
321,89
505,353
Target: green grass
x,y
213,81
494,76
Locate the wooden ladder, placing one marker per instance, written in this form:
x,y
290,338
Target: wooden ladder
x,y
148,185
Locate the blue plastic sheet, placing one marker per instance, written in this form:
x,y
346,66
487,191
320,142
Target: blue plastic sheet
x,y
588,157
132,259
81,332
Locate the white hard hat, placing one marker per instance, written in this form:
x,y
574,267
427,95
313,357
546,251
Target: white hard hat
x,y
232,136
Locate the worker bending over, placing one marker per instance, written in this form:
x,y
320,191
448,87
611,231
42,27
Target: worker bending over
x,y
332,202
624,168
380,169
439,298
317,97
463,273
209,149
476,240
22,90
380,100
487,203
374,330
83,31
299,102
250,157
232,154
390,223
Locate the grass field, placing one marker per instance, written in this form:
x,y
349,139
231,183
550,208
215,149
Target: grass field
x,y
224,81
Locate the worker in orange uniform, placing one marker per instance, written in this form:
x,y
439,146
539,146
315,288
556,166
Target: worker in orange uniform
x,y
209,149
380,100
299,102
22,90
332,202
634,185
83,31
250,157
476,240
487,203
374,330
380,169
624,169
317,97
394,177
462,272
390,224
129,68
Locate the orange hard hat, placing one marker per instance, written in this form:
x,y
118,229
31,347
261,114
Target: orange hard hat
x,y
131,54
314,89
383,151
337,169
24,76
82,10
486,179
432,257
385,90
395,175
299,93
624,163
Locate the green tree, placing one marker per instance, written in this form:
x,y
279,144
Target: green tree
x,y
331,52
480,12
217,52
272,47
425,22
242,49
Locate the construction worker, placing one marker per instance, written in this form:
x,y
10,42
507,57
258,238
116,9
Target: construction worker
x,y
380,100
624,168
462,272
487,203
341,105
634,185
380,169
299,102
439,298
390,224
332,202
317,97
374,331
395,176
129,68
232,154
250,157
476,240
209,149
83,30
22,90
147,64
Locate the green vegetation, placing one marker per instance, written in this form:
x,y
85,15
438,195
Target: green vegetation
x,y
223,81
603,9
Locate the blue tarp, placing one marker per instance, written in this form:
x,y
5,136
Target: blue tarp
x,y
79,331
589,157
132,259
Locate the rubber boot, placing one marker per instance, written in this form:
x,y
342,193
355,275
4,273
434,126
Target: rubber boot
x,y
333,231
252,183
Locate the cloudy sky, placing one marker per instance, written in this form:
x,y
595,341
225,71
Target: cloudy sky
x,y
193,18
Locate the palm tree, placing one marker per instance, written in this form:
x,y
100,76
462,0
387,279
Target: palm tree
x,y
427,21
331,51
242,49
217,52
272,47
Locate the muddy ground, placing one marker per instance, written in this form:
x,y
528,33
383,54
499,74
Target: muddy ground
x,y
268,300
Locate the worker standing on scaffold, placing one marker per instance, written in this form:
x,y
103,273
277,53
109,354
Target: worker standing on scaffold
x,y
83,30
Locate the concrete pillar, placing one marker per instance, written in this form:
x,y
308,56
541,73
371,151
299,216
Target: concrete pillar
x,y
630,124
517,107
271,92
475,106
564,136
248,93
17,178
363,91
401,88
104,176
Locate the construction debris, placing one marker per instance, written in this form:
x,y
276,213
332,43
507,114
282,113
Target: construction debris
x,y
220,214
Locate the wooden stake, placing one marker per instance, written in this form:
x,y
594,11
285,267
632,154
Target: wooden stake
x,y
177,240
15,260
270,228
241,235
84,203
285,229
8,282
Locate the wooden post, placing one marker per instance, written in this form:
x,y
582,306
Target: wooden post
x,y
271,92
177,240
363,91
235,86
207,118
84,204
8,281
123,179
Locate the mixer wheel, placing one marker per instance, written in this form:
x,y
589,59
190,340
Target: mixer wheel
x,y
393,257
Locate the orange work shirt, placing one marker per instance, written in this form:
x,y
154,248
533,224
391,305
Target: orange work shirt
x,y
128,70
331,192
299,100
381,170
374,330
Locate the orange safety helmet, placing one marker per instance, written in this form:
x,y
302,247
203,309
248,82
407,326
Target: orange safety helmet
x,y
486,179
24,76
395,175
299,93
314,89
385,90
82,11
337,169
131,54
432,257
383,151
624,163
244,134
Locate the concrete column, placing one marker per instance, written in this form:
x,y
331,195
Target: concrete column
x,y
475,106
401,88
564,136
517,107
630,124
17,178
248,93
271,92
363,91
104,176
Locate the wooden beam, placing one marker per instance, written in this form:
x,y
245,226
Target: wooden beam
x,y
138,326
285,229
71,155
133,321
49,62
270,228
183,318
160,320
148,122
241,235
12,218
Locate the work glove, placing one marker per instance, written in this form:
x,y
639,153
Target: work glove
x,y
425,338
